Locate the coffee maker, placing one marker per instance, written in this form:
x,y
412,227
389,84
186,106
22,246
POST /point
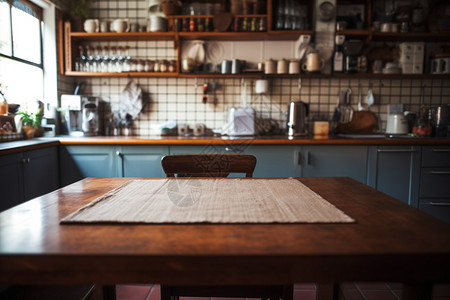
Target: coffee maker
x,y
70,115
90,116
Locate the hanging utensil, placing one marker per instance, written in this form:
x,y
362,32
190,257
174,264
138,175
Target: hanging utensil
x,y
369,98
349,114
205,91
337,112
360,106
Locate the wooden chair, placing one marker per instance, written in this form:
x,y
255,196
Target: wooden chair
x,y
208,165
217,165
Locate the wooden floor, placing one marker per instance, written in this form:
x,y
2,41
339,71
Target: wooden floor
x,y
349,291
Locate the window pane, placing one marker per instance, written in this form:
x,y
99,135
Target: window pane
x,y
5,29
24,82
26,34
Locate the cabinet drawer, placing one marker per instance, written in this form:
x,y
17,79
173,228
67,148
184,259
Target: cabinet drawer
x,y
434,182
439,208
436,157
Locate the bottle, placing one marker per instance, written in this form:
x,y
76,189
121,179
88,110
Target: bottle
x,y
3,104
338,56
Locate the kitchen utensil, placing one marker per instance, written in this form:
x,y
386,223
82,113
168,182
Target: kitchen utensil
x,y
397,124
369,98
314,63
157,23
282,66
120,25
362,122
91,25
337,112
205,91
241,121
296,122
360,106
346,109
261,86
269,66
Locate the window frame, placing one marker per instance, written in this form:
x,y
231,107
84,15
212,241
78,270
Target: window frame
x,y
39,11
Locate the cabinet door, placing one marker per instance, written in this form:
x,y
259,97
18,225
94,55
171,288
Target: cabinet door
x,y
141,161
40,172
275,161
335,161
271,161
86,161
395,171
11,181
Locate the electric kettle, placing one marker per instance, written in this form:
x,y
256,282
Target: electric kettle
x,y
296,121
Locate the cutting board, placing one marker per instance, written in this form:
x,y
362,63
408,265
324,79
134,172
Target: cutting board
x,y
362,122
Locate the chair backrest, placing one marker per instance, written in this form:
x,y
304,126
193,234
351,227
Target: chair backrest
x,y
208,165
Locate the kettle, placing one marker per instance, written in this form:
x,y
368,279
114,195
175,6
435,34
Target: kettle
x,y
296,121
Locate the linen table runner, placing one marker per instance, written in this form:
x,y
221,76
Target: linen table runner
x,y
210,201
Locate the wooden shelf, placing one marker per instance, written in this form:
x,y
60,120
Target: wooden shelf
x,y
123,36
223,36
122,74
411,36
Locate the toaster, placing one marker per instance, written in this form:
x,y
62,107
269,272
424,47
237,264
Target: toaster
x,y
241,121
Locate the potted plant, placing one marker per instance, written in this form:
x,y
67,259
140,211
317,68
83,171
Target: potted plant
x,y
79,12
31,124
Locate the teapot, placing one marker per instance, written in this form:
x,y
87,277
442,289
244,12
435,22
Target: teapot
x,y
314,63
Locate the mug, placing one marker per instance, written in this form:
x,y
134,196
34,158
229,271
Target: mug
x,y
120,25
91,25
314,63
104,26
134,27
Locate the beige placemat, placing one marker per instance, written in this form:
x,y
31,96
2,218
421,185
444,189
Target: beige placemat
x,y
210,201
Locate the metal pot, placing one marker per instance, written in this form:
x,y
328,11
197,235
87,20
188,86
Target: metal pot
x,y
296,122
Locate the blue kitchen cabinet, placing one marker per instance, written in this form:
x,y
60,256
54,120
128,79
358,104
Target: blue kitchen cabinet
x,y
271,160
395,171
334,161
11,183
27,175
78,162
40,172
434,194
140,161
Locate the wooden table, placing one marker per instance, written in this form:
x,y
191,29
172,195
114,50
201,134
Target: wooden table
x,y
390,241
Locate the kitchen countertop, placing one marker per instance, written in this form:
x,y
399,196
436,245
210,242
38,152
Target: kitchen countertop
x,y
18,146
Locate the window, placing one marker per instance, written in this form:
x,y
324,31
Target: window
x,y
21,62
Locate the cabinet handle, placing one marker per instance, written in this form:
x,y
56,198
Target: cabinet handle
x,y
439,204
440,172
307,158
25,160
397,150
441,150
119,154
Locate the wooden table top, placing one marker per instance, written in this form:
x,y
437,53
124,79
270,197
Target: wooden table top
x,y
389,241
